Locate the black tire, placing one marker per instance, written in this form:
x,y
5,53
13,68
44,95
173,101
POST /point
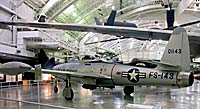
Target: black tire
x,y
55,89
128,90
72,95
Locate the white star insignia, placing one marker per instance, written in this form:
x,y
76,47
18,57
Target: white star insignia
x,y
133,75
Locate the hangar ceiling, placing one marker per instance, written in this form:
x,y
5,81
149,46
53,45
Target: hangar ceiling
x,y
144,13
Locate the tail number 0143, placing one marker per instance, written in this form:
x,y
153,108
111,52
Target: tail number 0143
x,y
174,51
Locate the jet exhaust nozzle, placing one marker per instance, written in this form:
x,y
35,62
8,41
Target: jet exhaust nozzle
x,y
185,79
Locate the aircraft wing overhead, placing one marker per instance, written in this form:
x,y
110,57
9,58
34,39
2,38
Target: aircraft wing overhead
x,y
74,74
127,32
112,30
139,33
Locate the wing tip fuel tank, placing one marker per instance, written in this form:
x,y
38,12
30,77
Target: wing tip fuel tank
x,y
14,68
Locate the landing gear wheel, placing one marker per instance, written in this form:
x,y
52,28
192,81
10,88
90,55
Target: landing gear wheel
x,y
55,89
68,93
128,90
72,95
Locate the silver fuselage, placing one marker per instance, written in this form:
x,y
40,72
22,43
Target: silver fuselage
x,y
121,74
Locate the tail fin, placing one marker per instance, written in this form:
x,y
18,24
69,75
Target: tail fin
x,y
98,22
111,18
42,57
49,64
177,52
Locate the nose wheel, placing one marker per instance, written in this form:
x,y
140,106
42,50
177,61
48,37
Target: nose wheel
x,y
55,88
68,93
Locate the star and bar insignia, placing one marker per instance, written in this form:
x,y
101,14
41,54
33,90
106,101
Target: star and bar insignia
x,y
133,75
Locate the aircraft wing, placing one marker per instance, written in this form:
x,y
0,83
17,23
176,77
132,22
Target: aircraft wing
x,y
128,32
74,74
139,33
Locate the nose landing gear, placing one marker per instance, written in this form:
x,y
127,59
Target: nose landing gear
x,y
55,88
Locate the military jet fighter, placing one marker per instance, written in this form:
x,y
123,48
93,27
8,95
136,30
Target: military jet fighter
x,y
173,70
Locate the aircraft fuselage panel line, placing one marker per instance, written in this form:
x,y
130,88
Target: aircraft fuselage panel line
x,y
112,72
177,81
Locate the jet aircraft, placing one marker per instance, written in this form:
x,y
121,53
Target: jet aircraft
x,y
173,70
111,21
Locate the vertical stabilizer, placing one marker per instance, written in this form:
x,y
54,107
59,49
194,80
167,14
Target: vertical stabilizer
x,y
177,52
42,57
49,64
111,18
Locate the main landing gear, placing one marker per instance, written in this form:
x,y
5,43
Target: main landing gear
x,y
128,90
67,91
55,88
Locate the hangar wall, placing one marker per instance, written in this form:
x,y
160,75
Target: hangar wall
x,y
8,38
6,35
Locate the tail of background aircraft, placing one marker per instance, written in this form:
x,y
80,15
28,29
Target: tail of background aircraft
x,y
110,21
49,64
44,60
111,18
42,57
177,52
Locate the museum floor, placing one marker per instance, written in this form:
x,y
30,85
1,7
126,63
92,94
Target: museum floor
x,y
26,97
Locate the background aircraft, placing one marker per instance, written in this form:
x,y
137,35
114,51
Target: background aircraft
x,y
13,64
173,70
111,21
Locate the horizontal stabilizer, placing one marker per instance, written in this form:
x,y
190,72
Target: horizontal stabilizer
x,y
166,66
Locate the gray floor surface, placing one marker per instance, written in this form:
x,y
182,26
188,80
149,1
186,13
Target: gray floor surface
x,y
27,98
